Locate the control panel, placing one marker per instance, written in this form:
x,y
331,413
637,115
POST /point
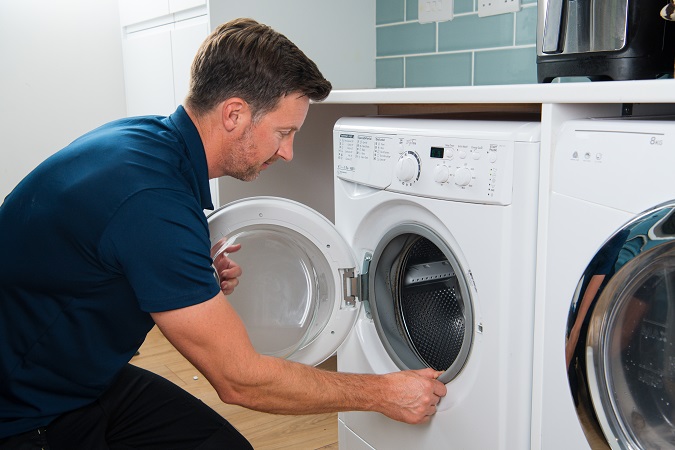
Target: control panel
x,y
454,160
619,162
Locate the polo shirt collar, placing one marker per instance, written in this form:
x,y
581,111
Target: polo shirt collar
x,y
195,152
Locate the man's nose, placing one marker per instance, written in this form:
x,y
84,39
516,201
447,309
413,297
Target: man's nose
x,y
286,150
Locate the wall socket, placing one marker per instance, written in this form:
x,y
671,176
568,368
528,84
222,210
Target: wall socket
x,y
435,10
494,7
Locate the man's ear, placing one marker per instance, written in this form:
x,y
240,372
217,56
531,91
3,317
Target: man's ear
x,y
235,113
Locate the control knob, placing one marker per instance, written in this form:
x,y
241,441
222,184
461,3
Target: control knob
x,y
408,167
462,176
441,173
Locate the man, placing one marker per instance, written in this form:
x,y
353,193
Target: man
x,y
107,238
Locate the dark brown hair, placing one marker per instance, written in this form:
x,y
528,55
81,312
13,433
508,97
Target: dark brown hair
x,y
246,59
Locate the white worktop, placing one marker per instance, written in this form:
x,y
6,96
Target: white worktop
x,y
647,91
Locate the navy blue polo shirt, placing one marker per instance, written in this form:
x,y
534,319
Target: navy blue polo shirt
x,y
102,233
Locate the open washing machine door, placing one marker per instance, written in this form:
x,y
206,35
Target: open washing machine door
x,y
298,293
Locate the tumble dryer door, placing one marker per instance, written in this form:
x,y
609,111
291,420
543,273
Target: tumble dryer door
x,y
298,291
627,302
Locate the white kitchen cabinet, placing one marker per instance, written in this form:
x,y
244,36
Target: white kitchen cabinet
x,y
148,71
157,54
136,11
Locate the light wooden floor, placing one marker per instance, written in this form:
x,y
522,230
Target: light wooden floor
x,y
264,431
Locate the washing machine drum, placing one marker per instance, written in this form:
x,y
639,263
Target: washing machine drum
x,y
420,302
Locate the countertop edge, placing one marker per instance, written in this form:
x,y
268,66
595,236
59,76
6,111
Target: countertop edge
x,y
640,91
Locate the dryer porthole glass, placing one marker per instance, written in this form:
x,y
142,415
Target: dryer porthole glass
x,y
279,263
420,301
633,340
620,340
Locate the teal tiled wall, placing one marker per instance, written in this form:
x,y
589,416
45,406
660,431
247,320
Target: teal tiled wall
x,y
468,50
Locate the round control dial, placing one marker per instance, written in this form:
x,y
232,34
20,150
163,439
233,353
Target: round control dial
x,y
441,174
463,176
408,167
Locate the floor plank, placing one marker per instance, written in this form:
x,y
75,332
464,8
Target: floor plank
x,y
264,431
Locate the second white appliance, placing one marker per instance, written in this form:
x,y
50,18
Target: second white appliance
x,y
605,328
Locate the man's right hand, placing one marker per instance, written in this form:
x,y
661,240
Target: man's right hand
x,y
415,394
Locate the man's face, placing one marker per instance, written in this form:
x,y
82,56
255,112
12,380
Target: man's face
x,y
267,140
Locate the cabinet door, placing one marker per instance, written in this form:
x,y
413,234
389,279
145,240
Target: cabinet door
x,y
133,11
148,71
186,38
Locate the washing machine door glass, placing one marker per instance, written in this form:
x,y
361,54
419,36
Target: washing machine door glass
x,y
630,341
292,294
421,302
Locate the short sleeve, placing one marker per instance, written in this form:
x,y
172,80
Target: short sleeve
x,y
159,241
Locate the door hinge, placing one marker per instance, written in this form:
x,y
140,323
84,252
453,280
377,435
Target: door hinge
x,y
355,287
351,285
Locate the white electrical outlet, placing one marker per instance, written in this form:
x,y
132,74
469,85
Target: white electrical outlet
x,y
494,7
435,10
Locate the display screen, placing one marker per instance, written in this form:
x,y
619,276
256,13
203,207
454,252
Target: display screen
x,y
436,152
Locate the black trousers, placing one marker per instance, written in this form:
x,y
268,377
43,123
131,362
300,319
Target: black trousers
x,y
141,410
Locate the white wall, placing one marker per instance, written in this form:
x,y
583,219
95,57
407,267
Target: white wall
x,y
339,36
61,75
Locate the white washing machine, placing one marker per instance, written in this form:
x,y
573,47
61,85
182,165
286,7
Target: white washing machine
x,y
431,263
605,328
